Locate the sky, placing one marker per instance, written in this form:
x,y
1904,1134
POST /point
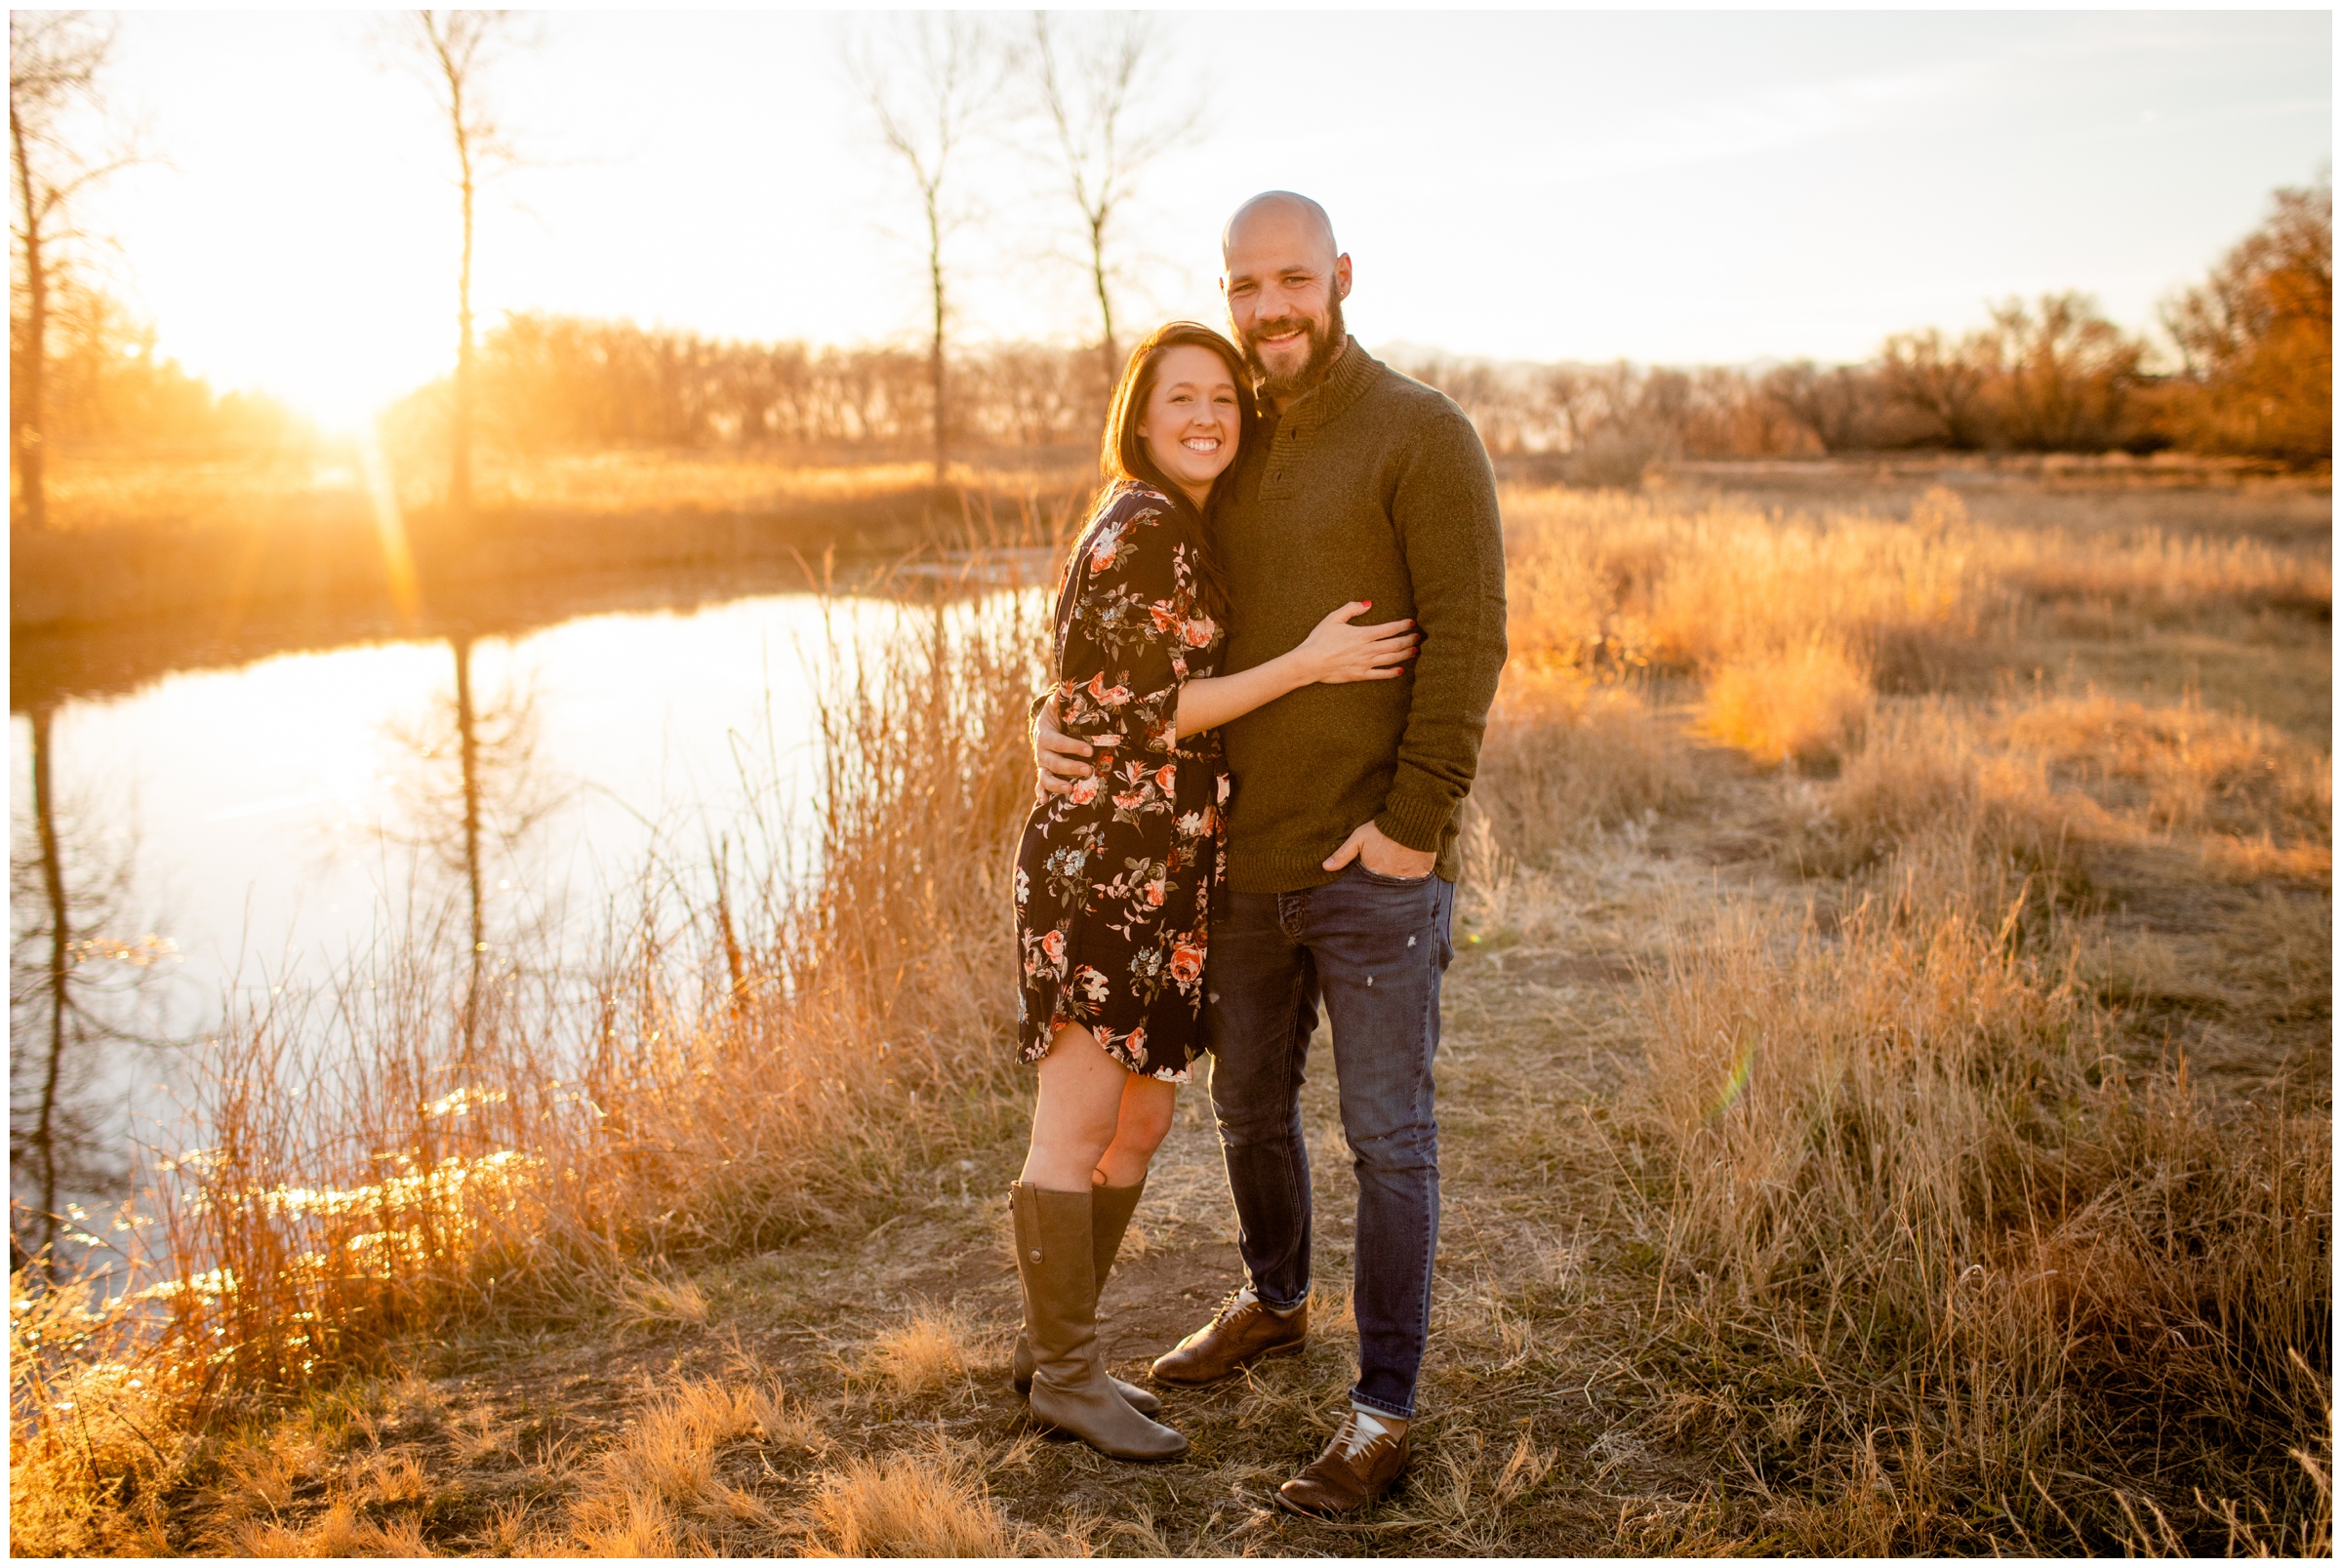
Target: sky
x,y
1674,187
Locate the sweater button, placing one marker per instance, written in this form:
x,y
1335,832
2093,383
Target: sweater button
x,y
1036,1255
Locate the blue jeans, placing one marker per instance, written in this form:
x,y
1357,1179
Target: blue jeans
x,y
1375,947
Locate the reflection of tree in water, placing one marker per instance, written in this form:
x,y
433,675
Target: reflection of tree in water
x,y
476,800
77,985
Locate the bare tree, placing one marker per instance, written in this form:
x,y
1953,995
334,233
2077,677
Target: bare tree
x,y
454,52
2066,372
930,81
1111,118
1837,405
78,996
497,788
1950,381
54,60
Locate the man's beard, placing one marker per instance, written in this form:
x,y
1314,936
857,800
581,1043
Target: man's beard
x,y
1324,344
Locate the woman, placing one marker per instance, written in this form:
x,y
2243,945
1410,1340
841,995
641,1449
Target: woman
x,y
1114,880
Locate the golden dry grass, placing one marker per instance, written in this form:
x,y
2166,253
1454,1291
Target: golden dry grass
x,y
101,488
2051,1256
341,1533
710,1106
1931,1152
925,1504
202,548
930,1351
1805,704
665,482
104,490
1566,756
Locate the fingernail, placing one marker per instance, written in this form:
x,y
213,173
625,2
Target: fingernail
x,y
1369,604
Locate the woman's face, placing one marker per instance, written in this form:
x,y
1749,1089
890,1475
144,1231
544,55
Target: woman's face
x,y
1189,422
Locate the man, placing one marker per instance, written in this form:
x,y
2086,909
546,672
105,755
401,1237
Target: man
x,y
1341,862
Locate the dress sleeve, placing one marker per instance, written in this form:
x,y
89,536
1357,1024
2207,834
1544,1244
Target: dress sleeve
x,y
1127,638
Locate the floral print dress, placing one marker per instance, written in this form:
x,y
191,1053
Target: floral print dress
x,y
1114,880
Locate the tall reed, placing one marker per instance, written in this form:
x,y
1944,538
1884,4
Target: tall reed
x,y
777,1038
1931,1247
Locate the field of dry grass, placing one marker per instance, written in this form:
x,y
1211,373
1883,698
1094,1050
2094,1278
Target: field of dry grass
x,y
1886,1108
215,543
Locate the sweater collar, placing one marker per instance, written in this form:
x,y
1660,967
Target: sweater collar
x,y
1344,384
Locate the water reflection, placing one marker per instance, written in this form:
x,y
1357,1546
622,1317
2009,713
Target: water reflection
x,y
308,817
80,993
479,776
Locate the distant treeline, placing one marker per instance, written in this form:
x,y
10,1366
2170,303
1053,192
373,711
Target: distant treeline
x,y
548,382
2254,378
2252,346
107,383
2254,349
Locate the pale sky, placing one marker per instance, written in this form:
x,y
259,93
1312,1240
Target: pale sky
x,y
1678,188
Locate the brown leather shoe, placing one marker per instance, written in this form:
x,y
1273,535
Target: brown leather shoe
x,y
1352,1473
1240,1332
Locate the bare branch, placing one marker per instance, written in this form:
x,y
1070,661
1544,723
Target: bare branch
x,y
453,53
1111,121
54,62
932,82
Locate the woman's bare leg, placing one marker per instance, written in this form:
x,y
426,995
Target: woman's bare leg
x,y
1077,1113
1140,1128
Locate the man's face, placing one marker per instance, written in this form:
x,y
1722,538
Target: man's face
x,y
1284,288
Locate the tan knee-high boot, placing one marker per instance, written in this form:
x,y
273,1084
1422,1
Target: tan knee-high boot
x,y
1110,1209
1070,1385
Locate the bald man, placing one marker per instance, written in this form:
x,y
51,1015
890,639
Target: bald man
x,y
1360,484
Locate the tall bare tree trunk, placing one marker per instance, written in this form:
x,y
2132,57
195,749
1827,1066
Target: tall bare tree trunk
x,y
25,435
458,476
61,955
934,344
1106,304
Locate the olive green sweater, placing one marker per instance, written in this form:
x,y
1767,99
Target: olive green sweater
x,y
1369,486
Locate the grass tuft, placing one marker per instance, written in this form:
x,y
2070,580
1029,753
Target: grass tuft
x,y
930,1351
928,1503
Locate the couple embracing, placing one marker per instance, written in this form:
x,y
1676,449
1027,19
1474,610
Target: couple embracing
x,y
1277,641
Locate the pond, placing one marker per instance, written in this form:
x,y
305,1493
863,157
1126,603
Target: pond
x,y
215,835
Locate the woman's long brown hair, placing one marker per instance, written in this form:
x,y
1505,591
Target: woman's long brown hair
x,y
1123,454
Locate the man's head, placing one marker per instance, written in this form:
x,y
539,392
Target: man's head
x,y
1284,281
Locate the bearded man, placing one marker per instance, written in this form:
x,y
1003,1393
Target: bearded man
x,y
1342,861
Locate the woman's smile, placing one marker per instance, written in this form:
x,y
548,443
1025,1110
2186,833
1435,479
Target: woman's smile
x,y
1189,427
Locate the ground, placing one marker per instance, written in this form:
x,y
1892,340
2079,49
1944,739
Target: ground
x,y
1883,1110
1541,1433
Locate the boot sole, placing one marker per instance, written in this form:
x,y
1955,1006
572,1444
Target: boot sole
x,y
1025,1392
1330,1515
1338,1516
1253,1360
1069,1435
